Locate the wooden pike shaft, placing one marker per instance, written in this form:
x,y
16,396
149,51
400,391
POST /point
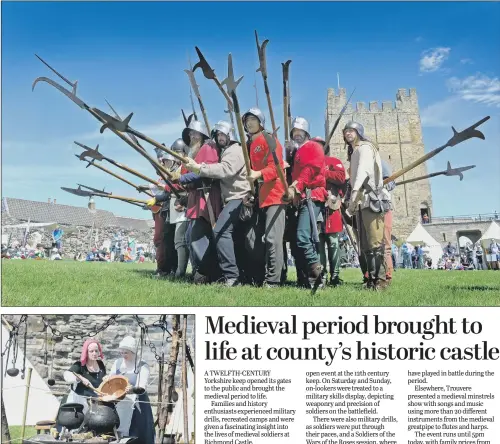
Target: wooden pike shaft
x,y
125,180
416,179
159,146
163,171
124,198
269,104
285,106
415,164
241,132
205,118
184,380
26,397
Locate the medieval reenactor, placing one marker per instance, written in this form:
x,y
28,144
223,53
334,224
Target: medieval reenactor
x,y
204,204
235,188
335,176
270,220
174,210
369,201
309,194
387,172
164,234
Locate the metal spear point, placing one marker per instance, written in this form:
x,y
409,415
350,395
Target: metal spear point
x,y
448,172
261,49
90,152
209,73
196,90
83,193
231,85
132,137
457,171
94,189
458,137
122,126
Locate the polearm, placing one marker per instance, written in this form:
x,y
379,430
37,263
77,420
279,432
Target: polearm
x,y
111,173
261,49
231,85
448,172
286,99
83,193
94,111
191,96
336,124
196,90
121,126
458,137
209,74
97,155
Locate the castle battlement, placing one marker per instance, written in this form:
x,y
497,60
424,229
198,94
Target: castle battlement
x,y
406,101
396,127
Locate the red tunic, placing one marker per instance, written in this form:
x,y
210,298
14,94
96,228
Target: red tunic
x,y
261,158
197,205
309,170
335,178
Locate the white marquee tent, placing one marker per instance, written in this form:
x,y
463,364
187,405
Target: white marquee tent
x,y
493,232
42,405
420,236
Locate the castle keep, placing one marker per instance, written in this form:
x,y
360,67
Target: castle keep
x,y
397,130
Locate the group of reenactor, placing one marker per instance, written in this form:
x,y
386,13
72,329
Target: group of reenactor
x,y
233,225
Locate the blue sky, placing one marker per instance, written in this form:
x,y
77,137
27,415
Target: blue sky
x,y
134,54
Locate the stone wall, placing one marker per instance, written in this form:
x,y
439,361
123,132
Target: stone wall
x,y
397,130
78,238
67,351
449,231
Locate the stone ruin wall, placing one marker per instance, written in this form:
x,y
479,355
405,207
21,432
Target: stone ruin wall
x,y
79,238
67,351
397,129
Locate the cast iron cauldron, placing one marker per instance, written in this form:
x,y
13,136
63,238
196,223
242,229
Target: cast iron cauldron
x,y
102,418
70,416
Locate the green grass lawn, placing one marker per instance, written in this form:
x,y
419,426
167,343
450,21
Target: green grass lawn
x,y
15,433
68,283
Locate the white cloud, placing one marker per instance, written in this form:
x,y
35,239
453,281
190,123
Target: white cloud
x,y
466,61
432,59
478,88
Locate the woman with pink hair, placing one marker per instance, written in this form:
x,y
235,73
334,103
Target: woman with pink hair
x,y
90,370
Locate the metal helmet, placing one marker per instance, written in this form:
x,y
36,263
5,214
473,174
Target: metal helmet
x,y
356,126
256,112
319,140
194,125
225,128
300,123
179,146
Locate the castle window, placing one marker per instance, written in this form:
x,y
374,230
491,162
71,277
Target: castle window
x,y
444,237
389,157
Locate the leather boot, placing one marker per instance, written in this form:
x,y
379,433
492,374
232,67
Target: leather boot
x,y
315,275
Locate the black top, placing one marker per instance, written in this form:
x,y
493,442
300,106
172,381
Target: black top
x,y
95,378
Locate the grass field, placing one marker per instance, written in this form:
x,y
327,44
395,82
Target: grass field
x,y
68,283
15,433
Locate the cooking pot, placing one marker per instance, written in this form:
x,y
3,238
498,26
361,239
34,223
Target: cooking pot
x,y
70,415
102,418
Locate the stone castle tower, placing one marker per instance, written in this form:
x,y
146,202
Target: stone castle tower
x,y
397,130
